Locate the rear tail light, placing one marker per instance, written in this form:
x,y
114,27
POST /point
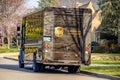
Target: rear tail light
x,y
87,49
46,45
46,60
87,55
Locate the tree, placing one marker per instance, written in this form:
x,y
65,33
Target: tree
x,y
58,3
48,3
110,16
9,17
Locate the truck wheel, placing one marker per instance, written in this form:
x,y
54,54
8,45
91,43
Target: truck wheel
x,y
35,67
38,67
73,69
41,67
21,65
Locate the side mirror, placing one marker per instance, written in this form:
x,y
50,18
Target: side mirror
x,y
18,28
18,35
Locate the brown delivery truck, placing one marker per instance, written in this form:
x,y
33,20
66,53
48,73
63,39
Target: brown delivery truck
x,y
55,37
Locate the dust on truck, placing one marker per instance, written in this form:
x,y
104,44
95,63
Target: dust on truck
x,y
55,37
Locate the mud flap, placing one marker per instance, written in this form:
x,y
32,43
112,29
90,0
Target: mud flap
x,y
87,58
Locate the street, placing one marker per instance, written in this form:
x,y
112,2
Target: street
x,y
9,71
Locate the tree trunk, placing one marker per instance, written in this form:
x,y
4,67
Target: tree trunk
x,y
17,45
8,38
119,32
119,36
3,40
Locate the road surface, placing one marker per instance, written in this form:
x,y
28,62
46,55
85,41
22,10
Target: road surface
x,y
9,71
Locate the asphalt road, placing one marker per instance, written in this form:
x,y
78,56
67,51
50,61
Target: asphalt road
x,y
9,71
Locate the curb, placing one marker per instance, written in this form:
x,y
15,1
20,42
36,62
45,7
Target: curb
x,y
10,58
100,75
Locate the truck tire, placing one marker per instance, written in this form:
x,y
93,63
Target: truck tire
x,y
37,66
41,68
73,69
21,65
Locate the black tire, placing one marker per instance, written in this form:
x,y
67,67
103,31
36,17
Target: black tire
x,y
41,68
37,66
21,65
73,69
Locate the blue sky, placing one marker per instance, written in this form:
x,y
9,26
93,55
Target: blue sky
x,y
31,3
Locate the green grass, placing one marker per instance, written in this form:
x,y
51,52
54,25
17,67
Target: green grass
x,y
8,50
104,59
110,70
4,49
105,62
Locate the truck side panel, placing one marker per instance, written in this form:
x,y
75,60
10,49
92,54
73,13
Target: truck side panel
x,y
48,35
33,35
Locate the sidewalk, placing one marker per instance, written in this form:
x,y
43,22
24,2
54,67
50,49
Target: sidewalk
x,y
105,65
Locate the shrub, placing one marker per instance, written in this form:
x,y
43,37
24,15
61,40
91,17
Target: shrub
x,y
115,48
102,48
93,46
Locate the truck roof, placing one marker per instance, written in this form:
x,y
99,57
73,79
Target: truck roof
x,y
54,8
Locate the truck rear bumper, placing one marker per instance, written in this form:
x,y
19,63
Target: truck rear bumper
x,y
62,63
57,63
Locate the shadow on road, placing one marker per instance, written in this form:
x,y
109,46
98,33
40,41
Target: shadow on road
x,y
50,71
13,67
29,69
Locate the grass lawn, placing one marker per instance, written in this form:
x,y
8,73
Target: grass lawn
x,y
4,49
105,62
110,70
8,50
104,59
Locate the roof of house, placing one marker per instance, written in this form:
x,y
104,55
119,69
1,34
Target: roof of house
x,y
85,5
95,14
67,2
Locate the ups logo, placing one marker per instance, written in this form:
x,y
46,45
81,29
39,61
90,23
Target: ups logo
x,y
59,31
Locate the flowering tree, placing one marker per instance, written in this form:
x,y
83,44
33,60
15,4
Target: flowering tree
x,y
10,16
